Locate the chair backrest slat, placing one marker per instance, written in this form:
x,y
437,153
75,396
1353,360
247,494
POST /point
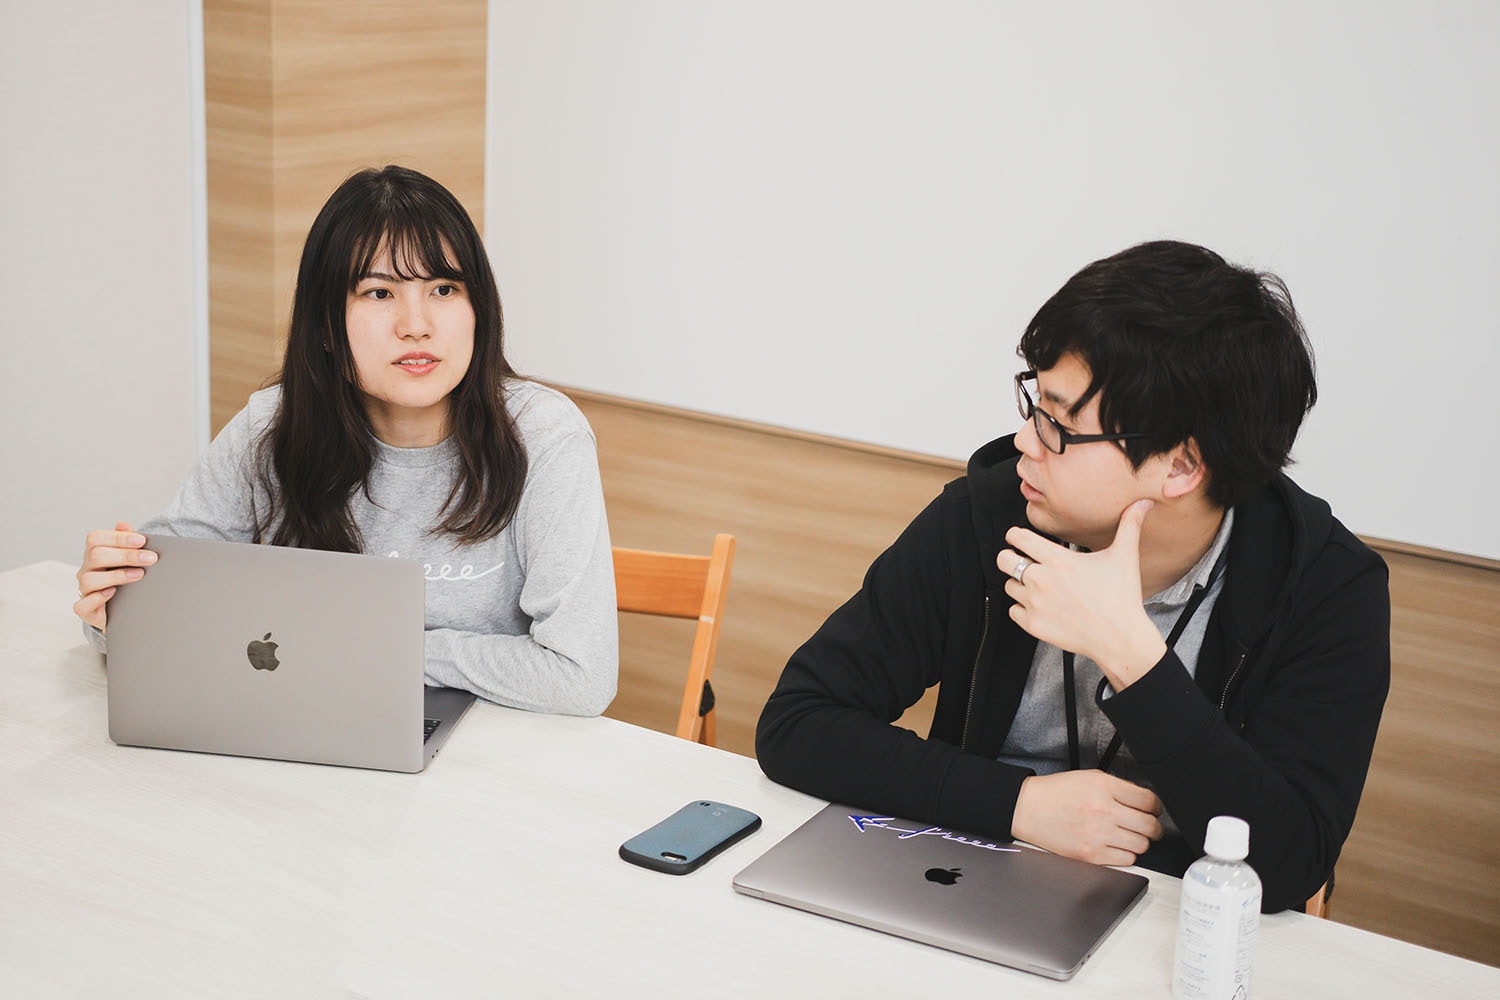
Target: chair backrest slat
x,y
660,583
681,586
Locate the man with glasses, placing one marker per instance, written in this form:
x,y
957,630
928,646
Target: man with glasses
x,y
1135,619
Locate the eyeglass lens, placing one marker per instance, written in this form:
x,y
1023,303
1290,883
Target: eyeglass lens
x,y
1047,429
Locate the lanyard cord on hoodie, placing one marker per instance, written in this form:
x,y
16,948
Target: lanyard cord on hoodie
x,y
1070,693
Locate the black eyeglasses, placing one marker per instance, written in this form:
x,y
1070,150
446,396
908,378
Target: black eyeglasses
x,y
1048,430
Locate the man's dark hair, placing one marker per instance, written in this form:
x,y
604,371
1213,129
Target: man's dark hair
x,y
1181,344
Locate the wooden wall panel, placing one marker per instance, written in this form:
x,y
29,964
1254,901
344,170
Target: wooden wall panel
x,y
1423,861
303,93
241,200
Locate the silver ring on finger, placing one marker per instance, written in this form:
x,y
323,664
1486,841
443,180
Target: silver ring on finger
x,y
1022,565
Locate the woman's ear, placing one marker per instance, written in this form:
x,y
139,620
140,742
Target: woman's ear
x,y
1186,472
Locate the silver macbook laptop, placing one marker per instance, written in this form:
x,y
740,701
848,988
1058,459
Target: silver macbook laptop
x,y
998,901
263,651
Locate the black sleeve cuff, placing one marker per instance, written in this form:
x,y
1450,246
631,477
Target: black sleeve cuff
x,y
1161,712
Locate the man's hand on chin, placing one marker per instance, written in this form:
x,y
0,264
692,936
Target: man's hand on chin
x,y
1088,603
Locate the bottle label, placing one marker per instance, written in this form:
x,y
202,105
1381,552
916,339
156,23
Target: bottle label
x,y
1215,942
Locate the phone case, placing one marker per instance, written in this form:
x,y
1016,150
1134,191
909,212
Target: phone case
x,y
683,841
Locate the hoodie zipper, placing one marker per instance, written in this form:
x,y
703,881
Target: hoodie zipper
x,y
1224,697
974,677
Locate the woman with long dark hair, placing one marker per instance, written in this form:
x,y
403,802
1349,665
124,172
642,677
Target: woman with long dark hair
x,y
397,427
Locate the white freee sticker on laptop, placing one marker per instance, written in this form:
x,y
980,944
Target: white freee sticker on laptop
x,y
905,833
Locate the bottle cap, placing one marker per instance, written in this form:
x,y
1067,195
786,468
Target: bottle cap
x,y
1228,838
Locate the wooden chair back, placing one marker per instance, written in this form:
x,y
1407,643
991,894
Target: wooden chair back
x,y
682,586
1318,905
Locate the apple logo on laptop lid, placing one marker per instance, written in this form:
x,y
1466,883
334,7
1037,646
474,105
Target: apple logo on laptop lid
x,y
944,876
262,653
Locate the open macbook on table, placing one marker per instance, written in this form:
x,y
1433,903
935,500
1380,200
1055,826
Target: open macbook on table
x,y
290,654
998,901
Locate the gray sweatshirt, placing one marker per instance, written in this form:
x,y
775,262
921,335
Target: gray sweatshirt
x,y
526,618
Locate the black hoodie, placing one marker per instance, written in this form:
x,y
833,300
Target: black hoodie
x,y
1276,727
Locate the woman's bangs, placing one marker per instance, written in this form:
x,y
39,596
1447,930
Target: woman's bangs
x,y
418,251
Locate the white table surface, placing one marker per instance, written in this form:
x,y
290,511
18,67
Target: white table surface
x,y
145,873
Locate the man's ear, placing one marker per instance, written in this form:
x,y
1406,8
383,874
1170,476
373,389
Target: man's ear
x,y
1185,472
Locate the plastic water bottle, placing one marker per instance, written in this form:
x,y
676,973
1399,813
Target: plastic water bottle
x,y
1219,917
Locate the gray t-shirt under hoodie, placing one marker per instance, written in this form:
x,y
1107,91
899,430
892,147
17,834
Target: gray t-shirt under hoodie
x,y
526,618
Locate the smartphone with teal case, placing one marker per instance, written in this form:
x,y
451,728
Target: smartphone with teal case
x,y
683,841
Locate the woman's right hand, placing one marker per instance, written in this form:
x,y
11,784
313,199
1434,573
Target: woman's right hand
x,y
110,560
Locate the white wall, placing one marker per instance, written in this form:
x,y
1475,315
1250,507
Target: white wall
x,y
101,281
837,215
